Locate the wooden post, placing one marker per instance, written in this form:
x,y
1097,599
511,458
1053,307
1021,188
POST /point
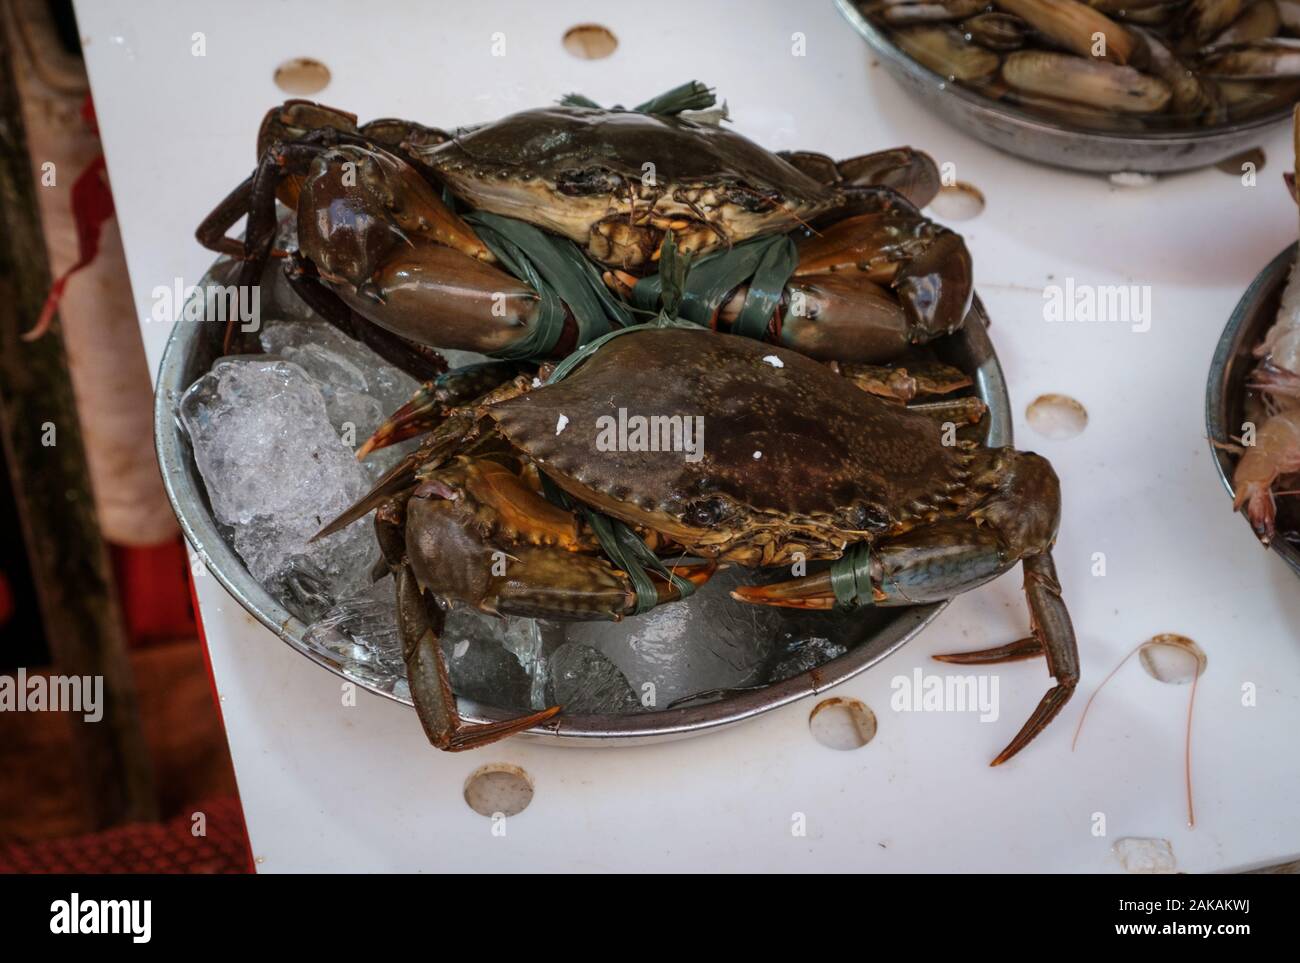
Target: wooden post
x,y
42,444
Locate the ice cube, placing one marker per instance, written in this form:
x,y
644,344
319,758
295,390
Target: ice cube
x,y
276,471
709,641
583,680
361,632
330,356
489,658
360,388
803,653
482,667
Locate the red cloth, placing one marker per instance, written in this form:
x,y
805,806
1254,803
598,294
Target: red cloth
x,y
169,847
92,206
6,600
153,584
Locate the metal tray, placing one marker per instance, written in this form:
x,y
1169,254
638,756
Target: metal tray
x,y
1028,136
194,345
1226,389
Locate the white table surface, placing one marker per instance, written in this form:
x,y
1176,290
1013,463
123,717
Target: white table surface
x,y
326,787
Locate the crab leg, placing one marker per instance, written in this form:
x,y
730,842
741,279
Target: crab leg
x,y
474,532
394,253
444,440
1053,636
211,233
843,316
294,118
420,623
930,570
911,173
936,561
477,533
830,317
256,198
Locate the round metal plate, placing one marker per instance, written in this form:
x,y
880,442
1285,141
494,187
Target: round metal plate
x,y
194,345
1026,135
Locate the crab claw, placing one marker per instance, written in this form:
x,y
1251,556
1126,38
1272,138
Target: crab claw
x,y
927,266
935,287
697,573
433,400
421,414
811,592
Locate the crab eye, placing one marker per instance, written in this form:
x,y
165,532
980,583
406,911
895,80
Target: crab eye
x,y
868,518
752,200
707,512
588,181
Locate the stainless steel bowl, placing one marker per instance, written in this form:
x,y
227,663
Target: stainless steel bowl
x,y
191,350
1225,392
1029,136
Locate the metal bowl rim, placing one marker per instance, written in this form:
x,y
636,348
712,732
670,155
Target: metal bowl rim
x,y
1216,387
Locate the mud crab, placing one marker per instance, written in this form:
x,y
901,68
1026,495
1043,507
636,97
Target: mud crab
x,y
798,463
383,256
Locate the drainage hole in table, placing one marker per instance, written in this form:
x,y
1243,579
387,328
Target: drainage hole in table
x,y
842,723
